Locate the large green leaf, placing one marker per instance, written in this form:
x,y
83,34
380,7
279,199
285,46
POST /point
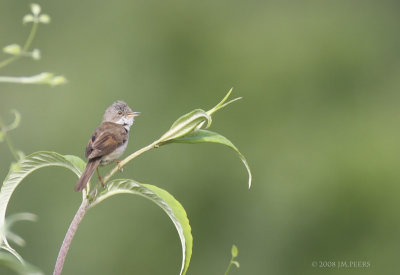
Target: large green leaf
x,y
162,198
201,136
21,170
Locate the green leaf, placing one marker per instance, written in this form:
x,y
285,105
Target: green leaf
x,y
18,172
13,49
162,198
8,260
76,161
10,221
222,103
44,18
236,263
28,18
186,124
201,136
42,78
234,251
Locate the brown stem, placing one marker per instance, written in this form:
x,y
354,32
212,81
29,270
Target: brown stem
x,y
62,254
70,235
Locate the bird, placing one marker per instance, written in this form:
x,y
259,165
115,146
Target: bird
x,y
108,142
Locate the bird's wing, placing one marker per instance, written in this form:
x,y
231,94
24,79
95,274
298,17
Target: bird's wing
x,y
105,139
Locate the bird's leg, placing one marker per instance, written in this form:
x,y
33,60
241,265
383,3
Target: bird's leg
x,y
120,168
100,178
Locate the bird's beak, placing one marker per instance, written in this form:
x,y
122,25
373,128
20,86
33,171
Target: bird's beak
x,y
132,114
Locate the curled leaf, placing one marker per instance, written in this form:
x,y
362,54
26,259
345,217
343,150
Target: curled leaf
x,y
10,221
201,136
186,124
21,170
163,199
14,124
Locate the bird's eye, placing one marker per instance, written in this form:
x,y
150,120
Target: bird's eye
x,y
120,113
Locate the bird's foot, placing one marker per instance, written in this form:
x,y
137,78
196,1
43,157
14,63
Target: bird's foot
x,y
120,168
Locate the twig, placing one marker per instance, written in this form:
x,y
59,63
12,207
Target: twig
x,y
86,203
70,235
27,44
129,158
4,129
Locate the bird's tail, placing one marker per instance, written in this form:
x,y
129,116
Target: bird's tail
x,y
87,173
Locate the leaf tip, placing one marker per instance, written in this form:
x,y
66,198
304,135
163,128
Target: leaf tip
x,y
236,263
234,251
250,178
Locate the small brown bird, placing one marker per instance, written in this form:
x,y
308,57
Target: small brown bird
x,y
109,140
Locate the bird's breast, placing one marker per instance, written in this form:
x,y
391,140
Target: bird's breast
x,y
114,154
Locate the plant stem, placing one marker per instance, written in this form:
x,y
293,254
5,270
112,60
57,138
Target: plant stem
x,y
31,36
8,140
8,61
70,235
62,254
11,147
229,268
129,158
27,44
34,79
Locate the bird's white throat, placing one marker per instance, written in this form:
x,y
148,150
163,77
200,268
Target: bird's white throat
x,y
127,122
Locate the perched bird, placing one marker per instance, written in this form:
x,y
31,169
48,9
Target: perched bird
x,y
109,140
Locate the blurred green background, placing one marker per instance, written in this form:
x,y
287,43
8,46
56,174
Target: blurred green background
x,y
319,125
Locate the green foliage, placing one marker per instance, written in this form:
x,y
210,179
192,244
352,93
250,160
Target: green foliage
x,y
185,125
18,172
193,121
186,129
8,260
234,251
11,220
16,51
234,254
200,136
163,199
4,129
